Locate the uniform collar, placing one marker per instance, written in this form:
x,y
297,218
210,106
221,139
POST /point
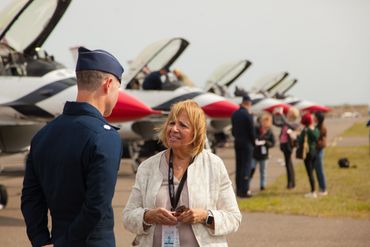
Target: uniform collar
x,y
84,108
244,108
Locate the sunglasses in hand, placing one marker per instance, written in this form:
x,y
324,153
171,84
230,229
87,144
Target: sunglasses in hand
x,y
179,210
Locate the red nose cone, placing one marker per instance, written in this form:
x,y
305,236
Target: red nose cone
x,y
317,108
284,108
129,108
220,109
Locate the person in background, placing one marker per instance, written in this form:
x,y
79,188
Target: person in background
x,y
244,141
287,139
368,125
72,166
184,193
154,81
310,135
185,80
321,144
264,141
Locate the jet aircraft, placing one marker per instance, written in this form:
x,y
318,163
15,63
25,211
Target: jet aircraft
x,y
279,91
33,85
219,84
303,105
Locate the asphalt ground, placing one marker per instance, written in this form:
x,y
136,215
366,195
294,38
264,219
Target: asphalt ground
x,y
257,229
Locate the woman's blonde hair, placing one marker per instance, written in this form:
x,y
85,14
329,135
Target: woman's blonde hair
x,y
293,113
197,121
266,117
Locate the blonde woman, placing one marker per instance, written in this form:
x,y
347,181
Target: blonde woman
x,y
184,193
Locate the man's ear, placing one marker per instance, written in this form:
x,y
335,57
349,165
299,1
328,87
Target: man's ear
x,y
107,84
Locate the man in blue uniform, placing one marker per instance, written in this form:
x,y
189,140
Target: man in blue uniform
x,y
244,138
73,162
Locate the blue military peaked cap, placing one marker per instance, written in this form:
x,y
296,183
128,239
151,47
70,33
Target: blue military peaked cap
x,y
98,60
246,97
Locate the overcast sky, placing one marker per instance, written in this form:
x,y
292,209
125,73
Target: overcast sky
x,y
325,44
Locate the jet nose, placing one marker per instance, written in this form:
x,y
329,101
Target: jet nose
x,y
220,109
270,105
129,108
278,107
315,108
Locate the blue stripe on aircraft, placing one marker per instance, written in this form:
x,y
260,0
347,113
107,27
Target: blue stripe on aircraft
x,y
167,105
26,105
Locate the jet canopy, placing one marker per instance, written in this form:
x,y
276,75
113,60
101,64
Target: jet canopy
x,y
26,24
159,55
226,74
269,82
280,90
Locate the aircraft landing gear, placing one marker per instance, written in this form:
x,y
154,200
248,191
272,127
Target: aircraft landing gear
x,y
134,150
3,196
135,164
140,151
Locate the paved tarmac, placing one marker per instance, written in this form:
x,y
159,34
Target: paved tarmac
x,y
257,229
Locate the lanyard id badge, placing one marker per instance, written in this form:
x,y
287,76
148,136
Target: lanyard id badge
x,y
263,150
170,236
175,197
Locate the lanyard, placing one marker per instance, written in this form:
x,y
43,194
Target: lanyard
x,y
175,197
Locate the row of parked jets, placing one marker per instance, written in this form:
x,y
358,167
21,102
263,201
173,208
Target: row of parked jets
x,y
34,86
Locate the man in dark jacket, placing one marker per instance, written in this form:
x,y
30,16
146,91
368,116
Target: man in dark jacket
x,y
243,132
153,81
73,162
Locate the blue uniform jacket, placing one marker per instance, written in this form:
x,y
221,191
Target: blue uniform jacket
x,y
242,128
72,170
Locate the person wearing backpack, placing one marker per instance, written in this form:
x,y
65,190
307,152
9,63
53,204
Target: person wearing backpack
x,y
264,141
308,137
321,144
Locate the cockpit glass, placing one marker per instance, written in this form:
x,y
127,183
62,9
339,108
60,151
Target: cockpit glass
x,y
28,26
164,55
230,74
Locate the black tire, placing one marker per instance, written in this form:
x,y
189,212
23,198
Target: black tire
x,y
3,196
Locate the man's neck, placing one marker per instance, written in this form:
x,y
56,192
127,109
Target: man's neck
x,y
88,98
245,106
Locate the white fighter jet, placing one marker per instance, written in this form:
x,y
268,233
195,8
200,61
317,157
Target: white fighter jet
x,y
279,91
303,105
226,74
220,81
270,93
33,86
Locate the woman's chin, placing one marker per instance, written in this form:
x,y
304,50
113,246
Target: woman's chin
x,y
175,145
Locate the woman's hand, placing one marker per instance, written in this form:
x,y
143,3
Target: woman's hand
x,y
160,216
193,216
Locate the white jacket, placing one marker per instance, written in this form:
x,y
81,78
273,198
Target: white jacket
x,y
209,188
